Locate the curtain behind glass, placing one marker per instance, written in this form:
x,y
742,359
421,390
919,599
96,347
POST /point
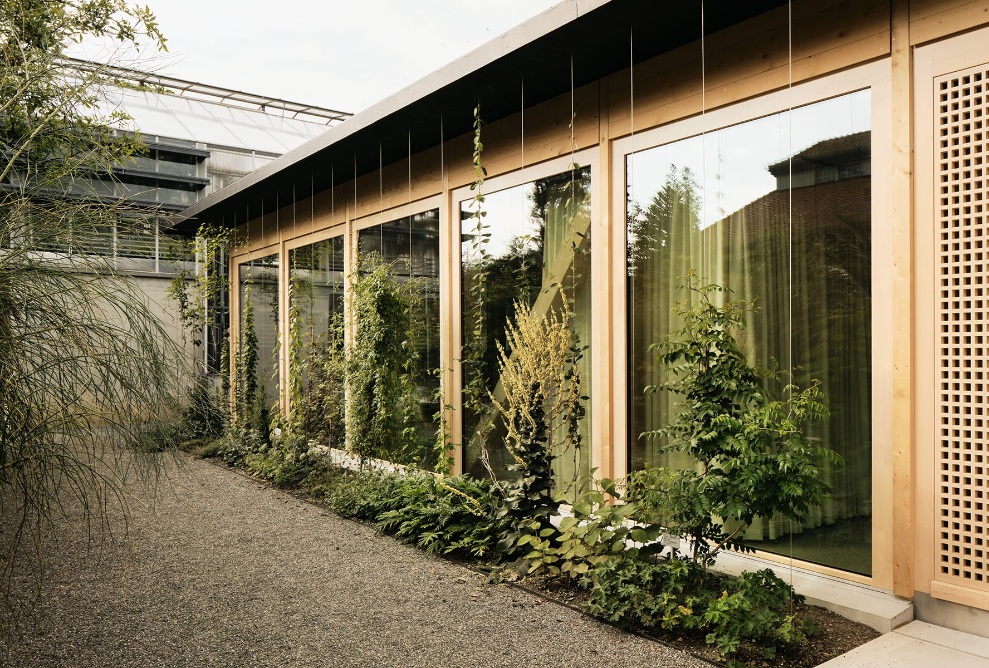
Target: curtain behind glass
x,y
777,210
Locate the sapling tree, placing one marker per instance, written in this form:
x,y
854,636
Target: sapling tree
x,y
752,452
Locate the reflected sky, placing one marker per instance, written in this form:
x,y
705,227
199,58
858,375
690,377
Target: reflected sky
x,y
722,161
505,210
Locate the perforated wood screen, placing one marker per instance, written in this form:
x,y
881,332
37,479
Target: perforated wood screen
x,y
962,108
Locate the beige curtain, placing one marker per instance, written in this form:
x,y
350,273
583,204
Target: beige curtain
x,y
809,248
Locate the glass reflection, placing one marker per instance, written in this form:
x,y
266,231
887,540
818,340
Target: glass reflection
x,y
412,246
532,243
258,283
778,210
316,328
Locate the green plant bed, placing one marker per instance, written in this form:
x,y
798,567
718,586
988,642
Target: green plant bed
x,y
459,518
834,635
747,616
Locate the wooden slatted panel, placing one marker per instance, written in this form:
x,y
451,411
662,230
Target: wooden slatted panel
x,y
961,113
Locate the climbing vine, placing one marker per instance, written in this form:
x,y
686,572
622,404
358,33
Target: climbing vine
x,y
384,417
475,391
250,405
197,294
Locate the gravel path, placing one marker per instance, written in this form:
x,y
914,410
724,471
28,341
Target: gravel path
x,y
220,570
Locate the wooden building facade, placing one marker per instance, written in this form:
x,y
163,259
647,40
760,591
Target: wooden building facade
x,y
824,158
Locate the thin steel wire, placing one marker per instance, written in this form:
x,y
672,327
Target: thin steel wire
x,y
789,213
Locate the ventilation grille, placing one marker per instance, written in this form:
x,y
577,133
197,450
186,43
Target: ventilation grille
x,y
962,195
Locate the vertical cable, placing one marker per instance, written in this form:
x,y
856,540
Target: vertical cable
x,y
789,215
630,342
330,243
704,213
789,188
631,81
524,213
573,115
410,183
571,225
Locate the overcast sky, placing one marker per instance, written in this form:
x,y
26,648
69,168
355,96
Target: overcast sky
x,y
341,54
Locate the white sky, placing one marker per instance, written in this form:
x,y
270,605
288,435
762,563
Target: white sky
x,y
341,54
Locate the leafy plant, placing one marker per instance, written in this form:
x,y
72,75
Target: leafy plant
x,y
443,444
87,371
476,269
196,295
320,412
361,495
740,615
202,417
383,416
541,410
251,404
596,531
451,516
752,454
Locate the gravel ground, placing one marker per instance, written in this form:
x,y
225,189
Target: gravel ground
x,y
220,570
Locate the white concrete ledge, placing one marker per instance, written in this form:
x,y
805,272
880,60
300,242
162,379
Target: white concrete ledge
x,y
918,645
875,608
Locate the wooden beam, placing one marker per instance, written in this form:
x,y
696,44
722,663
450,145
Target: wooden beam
x,y
903,460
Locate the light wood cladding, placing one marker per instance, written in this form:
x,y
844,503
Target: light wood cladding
x,y
900,486
935,19
750,59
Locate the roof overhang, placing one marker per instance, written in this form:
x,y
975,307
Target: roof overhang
x,y
588,39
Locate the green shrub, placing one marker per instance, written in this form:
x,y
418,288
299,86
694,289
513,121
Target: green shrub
x,y
596,531
361,495
202,416
212,448
738,616
753,456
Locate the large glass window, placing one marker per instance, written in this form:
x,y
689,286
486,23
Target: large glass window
x,y
317,284
412,246
258,283
777,210
533,245
316,297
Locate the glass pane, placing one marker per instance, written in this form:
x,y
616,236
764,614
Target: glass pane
x,y
533,241
316,326
412,246
777,210
259,287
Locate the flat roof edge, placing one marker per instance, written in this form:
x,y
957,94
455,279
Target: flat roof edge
x,y
491,51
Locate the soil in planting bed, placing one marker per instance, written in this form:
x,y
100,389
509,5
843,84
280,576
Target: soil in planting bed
x,y
834,635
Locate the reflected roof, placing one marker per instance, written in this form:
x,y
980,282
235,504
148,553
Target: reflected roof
x,y
217,124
